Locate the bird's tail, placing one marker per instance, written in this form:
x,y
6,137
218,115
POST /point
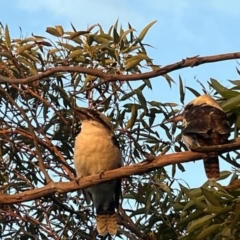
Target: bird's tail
x,y
107,223
211,165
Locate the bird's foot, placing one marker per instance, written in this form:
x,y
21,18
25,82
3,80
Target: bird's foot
x,y
101,174
76,179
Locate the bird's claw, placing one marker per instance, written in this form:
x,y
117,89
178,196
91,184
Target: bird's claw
x,y
76,179
101,174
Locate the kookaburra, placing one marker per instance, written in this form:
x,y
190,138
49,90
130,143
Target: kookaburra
x,y
204,123
97,150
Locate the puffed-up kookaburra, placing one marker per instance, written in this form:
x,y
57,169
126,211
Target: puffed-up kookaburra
x,y
97,150
204,123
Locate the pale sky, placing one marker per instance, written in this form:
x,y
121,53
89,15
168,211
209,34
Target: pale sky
x,y
184,29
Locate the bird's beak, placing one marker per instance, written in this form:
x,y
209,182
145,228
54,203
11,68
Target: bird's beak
x,y
176,118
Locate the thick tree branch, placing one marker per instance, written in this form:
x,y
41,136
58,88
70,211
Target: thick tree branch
x,y
232,145
188,62
140,168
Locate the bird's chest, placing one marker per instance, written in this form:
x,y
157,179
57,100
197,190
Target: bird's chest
x,y
94,153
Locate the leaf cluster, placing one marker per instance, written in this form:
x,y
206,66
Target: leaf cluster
x,y
38,129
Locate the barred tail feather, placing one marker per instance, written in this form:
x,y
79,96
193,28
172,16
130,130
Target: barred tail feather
x,y
211,165
112,224
107,223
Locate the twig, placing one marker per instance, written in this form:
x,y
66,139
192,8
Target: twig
x,y
40,159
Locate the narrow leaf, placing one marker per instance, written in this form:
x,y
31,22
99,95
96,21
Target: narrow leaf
x,y
132,64
200,223
225,92
116,37
75,53
231,103
60,30
123,36
77,34
53,32
24,47
193,91
181,90
208,231
7,37
145,30
210,197
133,118
142,99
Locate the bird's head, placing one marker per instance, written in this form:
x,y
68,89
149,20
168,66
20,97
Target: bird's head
x,y
85,114
203,100
198,101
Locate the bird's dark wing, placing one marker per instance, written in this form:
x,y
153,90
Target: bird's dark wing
x,y
205,119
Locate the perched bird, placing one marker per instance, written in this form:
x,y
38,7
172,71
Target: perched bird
x,y
97,150
204,124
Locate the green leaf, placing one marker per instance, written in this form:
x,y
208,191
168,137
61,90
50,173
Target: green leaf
x,y
224,175
224,210
60,30
66,46
197,201
132,63
235,82
236,219
133,118
192,216
163,186
77,34
197,94
53,32
225,92
201,222
116,37
155,104
141,99
169,79
145,30
181,167
74,29
231,103
75,53
128,95
146,126
208,231
148,83
123,36
24,47
181,90
7,37
210,197
116,24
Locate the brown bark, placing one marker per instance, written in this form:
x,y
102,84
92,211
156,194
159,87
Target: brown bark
x,y
187,62
139,168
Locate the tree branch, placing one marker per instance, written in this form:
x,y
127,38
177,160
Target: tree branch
x,y
139,168
232,145
188,62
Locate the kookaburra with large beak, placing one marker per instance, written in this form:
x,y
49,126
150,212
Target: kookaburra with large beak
x,y
97,150
204,123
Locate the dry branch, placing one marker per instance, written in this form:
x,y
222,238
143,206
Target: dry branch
x,y
139,168
188,62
